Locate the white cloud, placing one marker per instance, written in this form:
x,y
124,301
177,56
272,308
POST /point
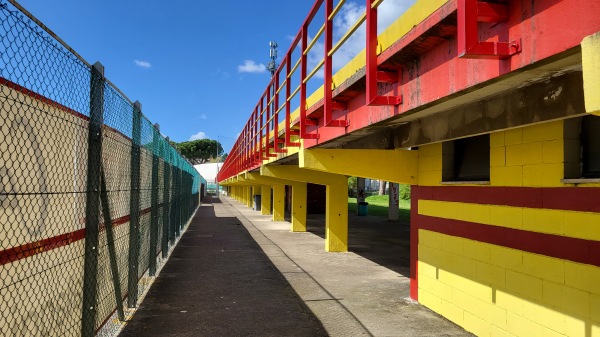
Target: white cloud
x,y
142,64
203,116
199,135
250,66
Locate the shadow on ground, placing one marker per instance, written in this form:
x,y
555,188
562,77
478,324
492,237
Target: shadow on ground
x,y
386,243
218,282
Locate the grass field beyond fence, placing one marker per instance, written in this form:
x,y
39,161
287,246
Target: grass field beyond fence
x,y
378,206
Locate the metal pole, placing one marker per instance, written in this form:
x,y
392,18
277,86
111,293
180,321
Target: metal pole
x,y
154,205
166,201
92,214
134,207
177,203
216,177
173,204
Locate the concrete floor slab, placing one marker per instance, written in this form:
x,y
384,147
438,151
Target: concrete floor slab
x,y
237,273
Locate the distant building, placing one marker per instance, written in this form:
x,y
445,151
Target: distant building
x,y
209,172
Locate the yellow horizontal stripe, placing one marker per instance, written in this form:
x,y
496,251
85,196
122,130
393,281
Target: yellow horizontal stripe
x,y
580,225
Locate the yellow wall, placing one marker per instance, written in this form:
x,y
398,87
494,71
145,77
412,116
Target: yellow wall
x,y
529,156
493,290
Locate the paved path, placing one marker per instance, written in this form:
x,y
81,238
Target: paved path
x,y
218,282
237,273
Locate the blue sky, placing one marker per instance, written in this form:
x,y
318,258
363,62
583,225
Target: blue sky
x,y
197,67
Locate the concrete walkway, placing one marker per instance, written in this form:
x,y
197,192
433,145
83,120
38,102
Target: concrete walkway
x,y
220,283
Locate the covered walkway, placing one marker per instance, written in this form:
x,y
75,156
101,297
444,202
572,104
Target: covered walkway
x,y
237,273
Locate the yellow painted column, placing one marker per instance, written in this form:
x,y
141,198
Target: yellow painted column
x,y
336,217
278,202
250,196
299,207
590,47
336,224
265,201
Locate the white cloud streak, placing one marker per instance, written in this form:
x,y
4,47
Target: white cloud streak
x,y
142,64
203,116
252,67
199,135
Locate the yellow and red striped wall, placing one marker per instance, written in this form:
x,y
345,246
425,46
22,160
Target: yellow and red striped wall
x,y
517,257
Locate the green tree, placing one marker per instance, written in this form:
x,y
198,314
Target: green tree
x,y
404,192
200,151
352,183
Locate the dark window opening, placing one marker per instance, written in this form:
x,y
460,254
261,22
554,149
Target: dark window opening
x,y
590,147
582,147
466,159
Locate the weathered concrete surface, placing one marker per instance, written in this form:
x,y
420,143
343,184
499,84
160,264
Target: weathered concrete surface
x,y
218,282
361,293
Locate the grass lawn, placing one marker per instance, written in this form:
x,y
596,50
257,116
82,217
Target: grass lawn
x,y
378,206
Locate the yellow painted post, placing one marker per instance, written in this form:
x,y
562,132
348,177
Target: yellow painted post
x,y
299,207
336,217
250,196
265,201
336,224
590,47
278,202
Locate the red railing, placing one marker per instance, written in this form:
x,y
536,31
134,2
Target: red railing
x,y
261,137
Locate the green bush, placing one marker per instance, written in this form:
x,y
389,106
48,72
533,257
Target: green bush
x,y
404,192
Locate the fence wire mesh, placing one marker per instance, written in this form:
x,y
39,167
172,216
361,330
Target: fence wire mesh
x,y
91,194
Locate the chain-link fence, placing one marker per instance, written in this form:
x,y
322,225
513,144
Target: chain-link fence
x,y
91,194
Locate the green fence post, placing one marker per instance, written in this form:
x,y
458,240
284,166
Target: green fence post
x,y
189,195
154,206
188,198
134,207
92,224
173,232
166,201
178,202
181,200
184,211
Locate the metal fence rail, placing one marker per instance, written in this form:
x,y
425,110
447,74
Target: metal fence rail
x,y
90,193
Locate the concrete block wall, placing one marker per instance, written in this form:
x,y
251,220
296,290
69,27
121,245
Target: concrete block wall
x,y
517,257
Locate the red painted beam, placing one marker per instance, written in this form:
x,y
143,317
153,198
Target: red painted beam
x,y
440,72
435,71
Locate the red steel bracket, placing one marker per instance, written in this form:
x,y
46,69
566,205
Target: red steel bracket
x,y
470,13
373,74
